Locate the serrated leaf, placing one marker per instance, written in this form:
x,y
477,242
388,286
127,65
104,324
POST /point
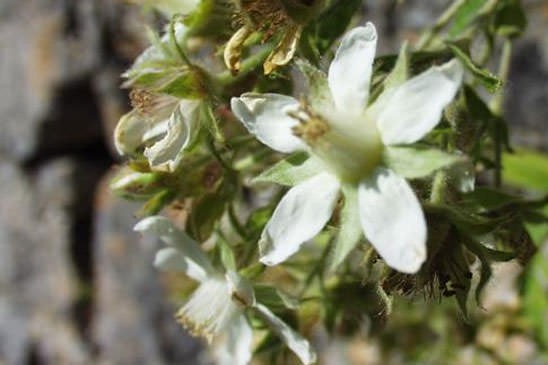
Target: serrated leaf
x,y
417,162
491,82
291,170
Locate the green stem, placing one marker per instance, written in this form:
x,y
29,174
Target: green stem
x,y
504,69
225,78
439,185
440,23
497,106
236,223
173,39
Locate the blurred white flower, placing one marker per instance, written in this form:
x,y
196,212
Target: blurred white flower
x,y
348,138
217,308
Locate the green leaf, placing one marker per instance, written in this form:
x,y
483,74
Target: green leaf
x,y
227,254
468,117
184,84
486,256
320,35
535,299
526,169
465,16
133,185
491,82
210,18
400,72
465,221
510,19
274,298
417,162
155,204
206,212
351,229
291,171
484,199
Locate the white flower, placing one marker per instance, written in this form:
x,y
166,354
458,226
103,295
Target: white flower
x,y
217,308
349,138
160,125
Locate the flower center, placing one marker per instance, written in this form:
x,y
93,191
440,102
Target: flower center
x,y
349,146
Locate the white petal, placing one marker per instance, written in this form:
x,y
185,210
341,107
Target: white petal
x,y
172,259
209,310
265,116
241,289
392,220
300,215
172,236
298,344
130,132
234,347
350,72
167,153
415,108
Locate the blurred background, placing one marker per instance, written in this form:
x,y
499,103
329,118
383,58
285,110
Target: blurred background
x,y
77,286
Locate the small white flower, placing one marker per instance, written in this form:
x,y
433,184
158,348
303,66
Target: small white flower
x,y
217,308
160,125
349,137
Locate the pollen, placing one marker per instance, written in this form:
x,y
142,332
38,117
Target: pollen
x,y
142,100
312,127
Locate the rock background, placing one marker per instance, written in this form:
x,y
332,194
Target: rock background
x,y
76,285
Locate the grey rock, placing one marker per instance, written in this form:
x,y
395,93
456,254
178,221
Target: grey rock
x,y
36,278
45,43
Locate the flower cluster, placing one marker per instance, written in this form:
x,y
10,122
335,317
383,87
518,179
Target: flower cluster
x,y
383,154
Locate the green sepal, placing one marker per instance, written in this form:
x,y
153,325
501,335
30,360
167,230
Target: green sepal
x,y
155,204
291,170
417,162
491,82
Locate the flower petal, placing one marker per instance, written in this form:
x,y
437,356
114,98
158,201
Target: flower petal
x,y
166,154
209,310
414,108
392,219
300,215
284,51
172,259
298,344
131,132
234,345
350,72
233,49
266,116
172,236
